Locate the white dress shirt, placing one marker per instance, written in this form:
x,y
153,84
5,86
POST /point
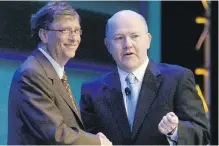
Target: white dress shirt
x,y
59,70
139,74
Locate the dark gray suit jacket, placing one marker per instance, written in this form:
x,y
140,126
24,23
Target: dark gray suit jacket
x,y
39,108
165,88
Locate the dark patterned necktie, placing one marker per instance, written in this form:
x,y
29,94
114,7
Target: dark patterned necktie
x,y
67,87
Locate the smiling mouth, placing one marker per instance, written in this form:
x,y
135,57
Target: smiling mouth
x,y
70,45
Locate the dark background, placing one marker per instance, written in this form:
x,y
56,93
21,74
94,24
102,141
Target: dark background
x,y
180,34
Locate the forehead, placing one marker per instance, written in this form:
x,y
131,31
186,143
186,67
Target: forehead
x,y
126,25
65,21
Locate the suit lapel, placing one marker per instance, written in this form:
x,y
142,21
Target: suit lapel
x,y
150,85
51,73
63,93
115,103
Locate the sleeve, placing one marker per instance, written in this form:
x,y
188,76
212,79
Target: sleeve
x,y
42,117
193,125
87,111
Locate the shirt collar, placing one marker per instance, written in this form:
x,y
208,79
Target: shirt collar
x,y
59,70
139,72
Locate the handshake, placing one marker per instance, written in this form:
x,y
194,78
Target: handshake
x,y
104,140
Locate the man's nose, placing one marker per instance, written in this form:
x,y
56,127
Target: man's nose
x,y
127,43
73,37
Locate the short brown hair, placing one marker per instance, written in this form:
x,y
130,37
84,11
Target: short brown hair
x,y
45,16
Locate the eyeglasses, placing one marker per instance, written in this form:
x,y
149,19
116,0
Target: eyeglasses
x,y
68,32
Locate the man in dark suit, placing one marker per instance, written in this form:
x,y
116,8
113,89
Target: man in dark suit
x,y
142,102
41,108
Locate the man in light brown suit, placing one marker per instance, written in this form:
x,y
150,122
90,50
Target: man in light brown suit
x,y
41,108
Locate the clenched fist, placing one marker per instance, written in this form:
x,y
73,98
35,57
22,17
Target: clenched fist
x,y
168,124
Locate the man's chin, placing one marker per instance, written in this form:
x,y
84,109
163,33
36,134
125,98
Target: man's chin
x,y
71,54
129,68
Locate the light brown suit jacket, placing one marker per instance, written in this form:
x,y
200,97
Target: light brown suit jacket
x,y
40,110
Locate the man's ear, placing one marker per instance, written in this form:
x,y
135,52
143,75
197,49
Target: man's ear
x,y
148,39
107,44
43,36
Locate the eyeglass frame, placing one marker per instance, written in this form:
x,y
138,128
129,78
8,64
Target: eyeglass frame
x,y
70,32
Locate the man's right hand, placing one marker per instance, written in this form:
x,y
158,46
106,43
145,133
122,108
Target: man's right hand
x,y
104,140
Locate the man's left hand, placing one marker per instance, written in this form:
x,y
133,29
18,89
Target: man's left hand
x,y
168,124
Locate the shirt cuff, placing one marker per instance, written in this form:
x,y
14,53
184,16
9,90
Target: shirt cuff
x,y
172,138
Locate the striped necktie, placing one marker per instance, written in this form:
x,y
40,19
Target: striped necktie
x,y
67,87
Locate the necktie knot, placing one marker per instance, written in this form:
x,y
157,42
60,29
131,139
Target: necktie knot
x,y
64,77
66,84
130,79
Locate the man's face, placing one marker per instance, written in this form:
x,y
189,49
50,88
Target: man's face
x,y
63,44
128,42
